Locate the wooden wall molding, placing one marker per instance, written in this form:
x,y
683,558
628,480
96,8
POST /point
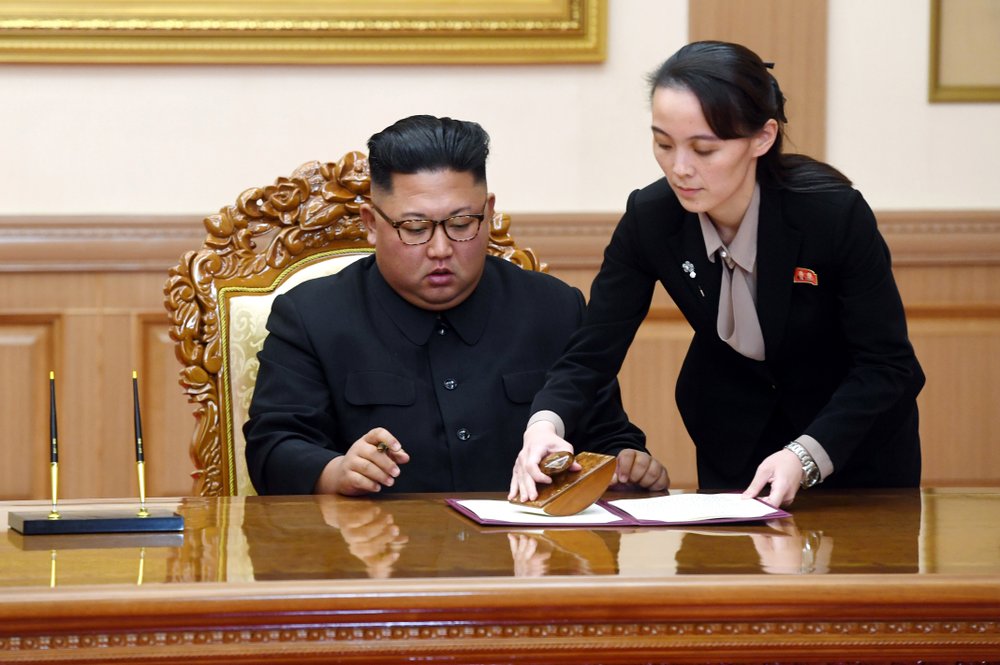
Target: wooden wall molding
x,y
566,241
86,243
942,237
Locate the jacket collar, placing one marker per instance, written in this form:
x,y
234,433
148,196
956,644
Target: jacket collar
x,y
777,249
468,319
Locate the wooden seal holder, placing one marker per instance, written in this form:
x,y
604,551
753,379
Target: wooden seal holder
x,y
573,491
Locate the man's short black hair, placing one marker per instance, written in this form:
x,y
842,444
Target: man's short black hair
x,y
426,143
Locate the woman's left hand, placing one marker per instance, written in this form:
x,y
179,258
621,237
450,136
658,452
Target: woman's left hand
x,y
783,471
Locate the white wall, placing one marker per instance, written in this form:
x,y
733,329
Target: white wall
x,y
185,140
903,152
162,140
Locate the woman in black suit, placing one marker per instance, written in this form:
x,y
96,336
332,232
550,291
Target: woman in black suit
x,y
800,369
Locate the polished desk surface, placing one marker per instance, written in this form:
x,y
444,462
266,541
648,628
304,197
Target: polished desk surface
x,y
901,569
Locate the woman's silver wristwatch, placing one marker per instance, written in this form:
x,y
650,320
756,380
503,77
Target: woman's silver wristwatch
x,y
810,471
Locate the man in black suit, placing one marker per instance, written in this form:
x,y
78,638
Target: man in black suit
x,y
414,370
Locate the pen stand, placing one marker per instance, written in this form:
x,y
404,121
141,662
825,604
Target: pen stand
x,y
573,491
95,520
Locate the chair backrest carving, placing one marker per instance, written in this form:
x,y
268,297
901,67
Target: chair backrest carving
x,y
218,297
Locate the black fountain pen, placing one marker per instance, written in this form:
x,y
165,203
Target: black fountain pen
x,y
53,447
139,459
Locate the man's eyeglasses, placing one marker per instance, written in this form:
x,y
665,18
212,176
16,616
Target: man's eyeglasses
x,y
460,228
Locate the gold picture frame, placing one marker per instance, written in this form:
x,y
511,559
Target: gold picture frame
x,y
303,31
965,51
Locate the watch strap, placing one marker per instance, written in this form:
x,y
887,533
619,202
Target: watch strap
x,y
810,470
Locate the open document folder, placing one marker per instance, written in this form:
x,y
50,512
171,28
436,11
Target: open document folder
x,y
666,510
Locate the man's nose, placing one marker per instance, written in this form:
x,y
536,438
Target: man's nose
x,y
440,243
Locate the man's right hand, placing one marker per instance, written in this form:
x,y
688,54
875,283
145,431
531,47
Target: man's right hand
x,y
365,467
540,439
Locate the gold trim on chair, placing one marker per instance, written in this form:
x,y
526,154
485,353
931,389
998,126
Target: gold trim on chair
x,y
232,415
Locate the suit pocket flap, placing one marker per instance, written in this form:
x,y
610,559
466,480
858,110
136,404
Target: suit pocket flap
x,y
522,386
373,388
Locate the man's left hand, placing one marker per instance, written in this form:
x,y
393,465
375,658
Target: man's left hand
x,y
640,469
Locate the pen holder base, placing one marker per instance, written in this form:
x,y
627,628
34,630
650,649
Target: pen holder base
x,y
94,521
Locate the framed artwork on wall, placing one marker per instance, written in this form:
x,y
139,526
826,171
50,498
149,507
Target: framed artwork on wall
x,y
303,31
965,51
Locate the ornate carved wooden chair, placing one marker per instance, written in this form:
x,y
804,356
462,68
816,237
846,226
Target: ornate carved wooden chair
x,y
218,298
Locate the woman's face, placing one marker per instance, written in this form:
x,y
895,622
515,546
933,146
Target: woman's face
x,y
708,174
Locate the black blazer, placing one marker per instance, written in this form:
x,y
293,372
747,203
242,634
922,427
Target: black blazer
x,y
839,365
346,354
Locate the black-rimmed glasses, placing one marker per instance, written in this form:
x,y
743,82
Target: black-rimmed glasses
x,y
460,228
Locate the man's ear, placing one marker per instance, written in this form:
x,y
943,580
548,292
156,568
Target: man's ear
x,y
491,206
765,138
368,219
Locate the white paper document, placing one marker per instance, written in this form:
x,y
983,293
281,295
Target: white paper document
x,y
491,510
673,509
693,507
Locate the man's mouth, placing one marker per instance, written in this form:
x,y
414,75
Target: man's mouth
x,y
439,276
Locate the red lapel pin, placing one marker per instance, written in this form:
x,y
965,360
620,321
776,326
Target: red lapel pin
x,y
805,276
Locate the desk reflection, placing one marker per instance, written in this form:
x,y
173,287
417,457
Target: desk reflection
x,y
854,536
242,539
370,532
791,551
564,552
335,537
778,547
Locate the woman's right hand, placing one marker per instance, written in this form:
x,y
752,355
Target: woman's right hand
x,y
540,439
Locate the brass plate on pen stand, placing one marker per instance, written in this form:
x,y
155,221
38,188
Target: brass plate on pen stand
x,y
573,491
96,521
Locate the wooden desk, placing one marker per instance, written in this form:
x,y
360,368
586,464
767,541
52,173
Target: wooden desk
x,y
859,576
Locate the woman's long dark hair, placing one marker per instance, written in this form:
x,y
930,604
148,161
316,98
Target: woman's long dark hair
x,y
738,95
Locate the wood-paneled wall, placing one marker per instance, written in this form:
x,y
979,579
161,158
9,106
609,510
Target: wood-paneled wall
x,y
792,35
83,296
